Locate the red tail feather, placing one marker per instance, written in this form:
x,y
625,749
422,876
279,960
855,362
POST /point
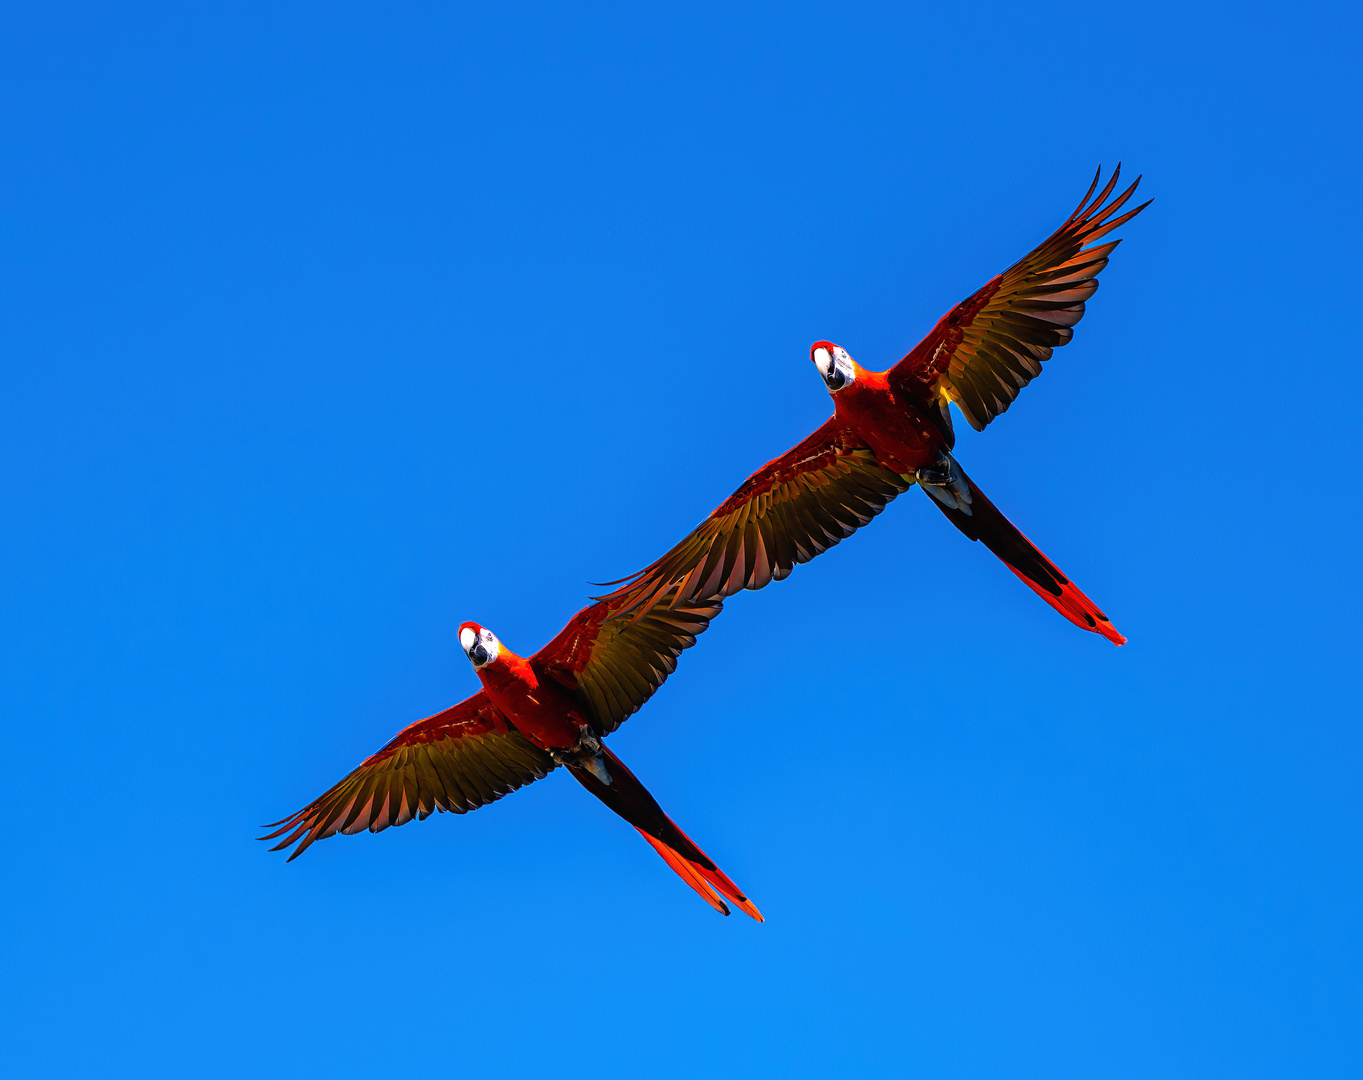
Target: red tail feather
x,y
631,800
986,524
1072,604
687,873
712,874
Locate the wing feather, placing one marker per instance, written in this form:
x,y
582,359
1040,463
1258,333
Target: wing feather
x,y
986,349
616,657
792,509
456,761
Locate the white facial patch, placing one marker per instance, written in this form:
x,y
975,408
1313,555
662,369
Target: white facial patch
x,y
481,647
835,366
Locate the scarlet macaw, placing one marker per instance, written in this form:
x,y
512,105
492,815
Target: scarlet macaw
x,y
892,429
532,715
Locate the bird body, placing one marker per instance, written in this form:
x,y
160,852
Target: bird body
x,y
892,429
532,715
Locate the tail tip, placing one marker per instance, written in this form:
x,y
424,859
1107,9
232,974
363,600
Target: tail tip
x,y
1110,632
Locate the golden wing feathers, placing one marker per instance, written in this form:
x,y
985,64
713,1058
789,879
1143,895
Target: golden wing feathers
x,y
616,661
455,761
793,508
991,345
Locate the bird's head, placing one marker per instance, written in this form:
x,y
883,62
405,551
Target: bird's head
x,y
837,368
479,644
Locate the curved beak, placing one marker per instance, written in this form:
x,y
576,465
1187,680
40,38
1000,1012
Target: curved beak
x,y
822,355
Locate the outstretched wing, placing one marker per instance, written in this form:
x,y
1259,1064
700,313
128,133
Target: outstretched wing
x,y
991,345
617,661
791,509
456,760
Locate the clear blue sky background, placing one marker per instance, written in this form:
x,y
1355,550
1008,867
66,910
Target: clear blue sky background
x,y
327,327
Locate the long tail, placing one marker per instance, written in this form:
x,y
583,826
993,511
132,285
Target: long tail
x,y
607,778
966,507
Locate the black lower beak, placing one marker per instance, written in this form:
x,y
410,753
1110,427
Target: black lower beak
x,y
478,654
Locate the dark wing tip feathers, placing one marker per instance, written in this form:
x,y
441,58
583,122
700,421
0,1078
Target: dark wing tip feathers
x,y
618,657
454,762
1034,307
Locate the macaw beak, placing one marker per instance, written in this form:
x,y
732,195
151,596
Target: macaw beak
x,y
822,356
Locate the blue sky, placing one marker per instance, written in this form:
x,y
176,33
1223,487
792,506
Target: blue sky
x,y
325,328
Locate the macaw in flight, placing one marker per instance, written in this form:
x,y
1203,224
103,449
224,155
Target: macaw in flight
x,y
892,429
532,715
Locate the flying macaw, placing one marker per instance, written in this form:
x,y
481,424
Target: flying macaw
x,y
532,715
892,429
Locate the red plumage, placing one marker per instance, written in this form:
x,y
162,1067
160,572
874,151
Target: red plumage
x,y
892,429
532,715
